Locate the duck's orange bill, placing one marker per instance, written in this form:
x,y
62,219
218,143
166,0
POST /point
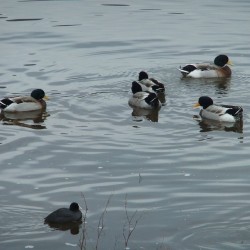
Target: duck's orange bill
x,y
230,63
196,105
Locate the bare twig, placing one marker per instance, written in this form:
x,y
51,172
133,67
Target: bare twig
x,y
83,236
116,241
100,227
85,203
130,224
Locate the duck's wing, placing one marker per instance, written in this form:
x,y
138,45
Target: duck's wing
x,y
206,66
235,111
217,109
158,87
156,81
21,99
147,82
140,95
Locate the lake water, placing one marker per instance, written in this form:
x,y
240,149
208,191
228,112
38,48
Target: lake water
x,y
186,183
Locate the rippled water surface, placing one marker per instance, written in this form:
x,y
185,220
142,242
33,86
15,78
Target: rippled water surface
x,y
185,182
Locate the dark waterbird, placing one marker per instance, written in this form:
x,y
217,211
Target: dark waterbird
x,y
65,215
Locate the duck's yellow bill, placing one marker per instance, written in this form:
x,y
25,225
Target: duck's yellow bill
x,y
196,105
46,97
230,63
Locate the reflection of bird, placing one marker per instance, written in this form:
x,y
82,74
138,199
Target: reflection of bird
x,y
224,113
25,103
149,114
147,84
65,215
23,119
207,125
36,116
144,100
72,226
220,68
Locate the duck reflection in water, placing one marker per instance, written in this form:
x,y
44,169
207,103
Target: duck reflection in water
x,y
22,119
207,125
73,227
151,115
162,98
221,85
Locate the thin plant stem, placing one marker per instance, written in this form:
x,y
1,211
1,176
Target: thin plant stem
x,y
130,223
100,227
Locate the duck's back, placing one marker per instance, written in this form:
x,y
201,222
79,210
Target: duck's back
x,y
63,215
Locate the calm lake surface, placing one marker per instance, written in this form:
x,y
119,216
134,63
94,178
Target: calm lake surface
x,y
185,182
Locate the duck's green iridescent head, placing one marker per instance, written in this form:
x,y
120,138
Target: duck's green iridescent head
x,y
38,94
222,60
204,102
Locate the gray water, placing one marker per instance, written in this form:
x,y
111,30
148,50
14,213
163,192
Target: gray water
x,y
185,182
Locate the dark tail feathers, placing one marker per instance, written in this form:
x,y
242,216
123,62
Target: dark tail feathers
x,y
189,68
159,87
5,103
235,111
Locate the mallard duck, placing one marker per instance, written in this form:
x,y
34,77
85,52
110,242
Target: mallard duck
x,y
144,100
223,113
147,84
220,68
25,103
65,215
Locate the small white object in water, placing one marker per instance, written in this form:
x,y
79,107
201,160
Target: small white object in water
x,y
70,244
186,175
29,246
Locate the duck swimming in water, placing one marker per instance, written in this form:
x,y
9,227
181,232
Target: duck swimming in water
x,y
145,83
223,113
218,69
25,103
145,100
65,215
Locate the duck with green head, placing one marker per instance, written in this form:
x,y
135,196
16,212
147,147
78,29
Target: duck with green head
x,y
218,69
223,113
36,101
